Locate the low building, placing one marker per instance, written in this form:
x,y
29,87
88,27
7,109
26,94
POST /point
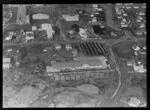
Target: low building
x,y
130,62
8,38
29,35
6,63
113,34
139,68
49,30
144,47
136,6
34,28
128,7
143,51
141,13
95,5
94,20
40,16
134,102
142,25
136,47
74,17
139,33
82,33
57,46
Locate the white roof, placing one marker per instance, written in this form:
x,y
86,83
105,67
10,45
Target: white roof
x,y
134,102
6,60
119,17
136,7
139,68
124,25
29,32
6,65
51,69
40,16
144,47
73,15
124,14
143,6
136,47
130,63
142,25
95,5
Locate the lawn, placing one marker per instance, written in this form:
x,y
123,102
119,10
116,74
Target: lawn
x,y
124,49
15,27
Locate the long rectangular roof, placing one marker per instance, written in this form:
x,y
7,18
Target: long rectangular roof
x,y
6,60
96,61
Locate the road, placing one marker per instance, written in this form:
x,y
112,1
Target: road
x,y
118,70
52,42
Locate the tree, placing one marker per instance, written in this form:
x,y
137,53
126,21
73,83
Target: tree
x,y
75,27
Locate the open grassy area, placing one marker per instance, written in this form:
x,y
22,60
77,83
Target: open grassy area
x,y
124,49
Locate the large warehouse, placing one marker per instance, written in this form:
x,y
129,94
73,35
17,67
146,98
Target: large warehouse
x,y
80,63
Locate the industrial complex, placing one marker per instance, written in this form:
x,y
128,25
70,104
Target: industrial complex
x,y
94,53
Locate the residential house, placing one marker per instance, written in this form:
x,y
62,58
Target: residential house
x,y
82,33
49,30
139,68
136,47
29,35
57,46
6,63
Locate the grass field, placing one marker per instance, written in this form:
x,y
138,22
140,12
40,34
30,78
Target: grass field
x,y
124,49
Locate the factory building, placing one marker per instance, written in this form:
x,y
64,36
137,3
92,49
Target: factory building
x,y
49,30
80,63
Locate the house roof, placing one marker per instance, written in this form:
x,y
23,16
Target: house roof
x,y
51,69
40,16
6,60
131,62
6,65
